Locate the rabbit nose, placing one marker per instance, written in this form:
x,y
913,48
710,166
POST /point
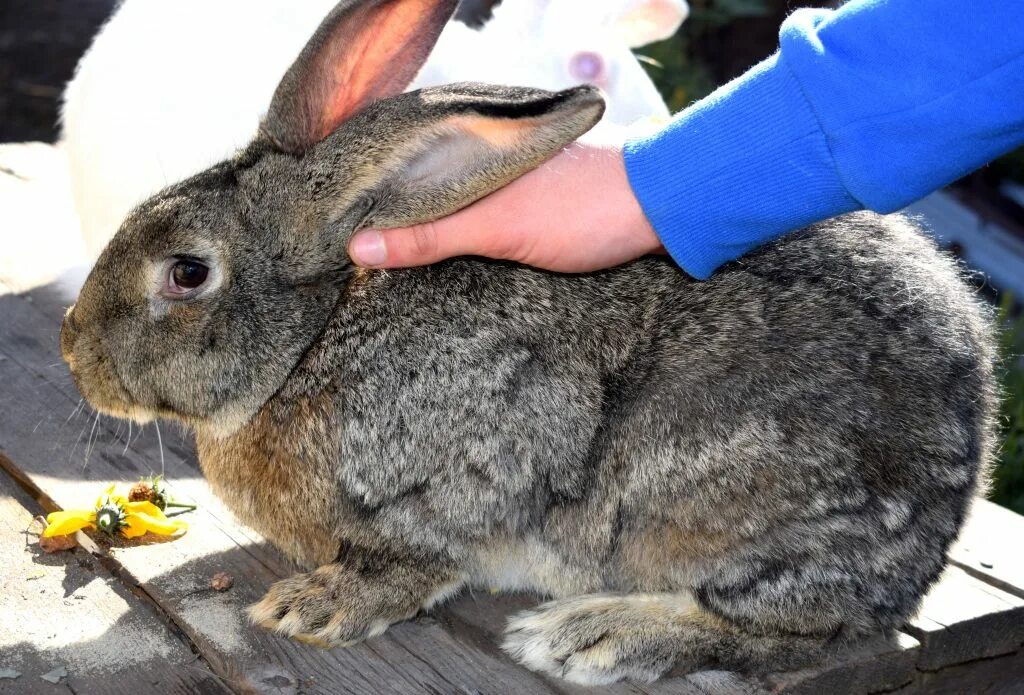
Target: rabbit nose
x,y
587,66
68,333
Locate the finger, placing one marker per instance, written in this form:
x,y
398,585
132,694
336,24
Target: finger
x,y
504,225
394,248
420,244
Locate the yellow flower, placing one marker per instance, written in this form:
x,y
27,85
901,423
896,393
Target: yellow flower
x,y
113,513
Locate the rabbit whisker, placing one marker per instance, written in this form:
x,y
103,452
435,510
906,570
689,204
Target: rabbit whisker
x,y
160,441
128,439
92,440
76,411
77,441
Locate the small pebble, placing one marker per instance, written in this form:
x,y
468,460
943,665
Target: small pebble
x,y
222,581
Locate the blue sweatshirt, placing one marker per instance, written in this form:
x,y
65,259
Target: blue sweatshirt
x,y
873,105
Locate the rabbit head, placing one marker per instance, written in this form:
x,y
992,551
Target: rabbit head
x,y
595,42
213,289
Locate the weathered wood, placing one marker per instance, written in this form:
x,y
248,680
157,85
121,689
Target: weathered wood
x,y
964,619
991,547
1001,676
66,611
876,665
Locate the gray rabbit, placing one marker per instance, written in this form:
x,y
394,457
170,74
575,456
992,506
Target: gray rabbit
x,y
738,473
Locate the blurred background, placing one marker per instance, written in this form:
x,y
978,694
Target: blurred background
x,y
980,218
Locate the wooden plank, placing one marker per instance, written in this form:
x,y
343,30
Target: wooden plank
x,y
991,547
876,665
65,611
963,619
34,404
1001,676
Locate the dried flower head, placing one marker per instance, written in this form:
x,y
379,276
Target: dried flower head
x,y
152,490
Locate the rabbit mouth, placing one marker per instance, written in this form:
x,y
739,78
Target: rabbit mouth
x,y
102,388
96,376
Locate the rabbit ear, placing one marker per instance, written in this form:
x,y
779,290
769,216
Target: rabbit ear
x,y
646,21
478,138
456,144
364,50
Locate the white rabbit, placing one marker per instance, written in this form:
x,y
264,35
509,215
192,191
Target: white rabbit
x,y
554,44
170,87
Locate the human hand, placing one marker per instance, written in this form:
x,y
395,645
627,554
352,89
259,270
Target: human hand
x,y
575,213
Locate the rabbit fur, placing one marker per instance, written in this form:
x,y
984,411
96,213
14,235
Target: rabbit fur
x,y
743,473
169,88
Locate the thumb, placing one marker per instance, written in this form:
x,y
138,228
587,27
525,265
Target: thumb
x,y
467,232
420,244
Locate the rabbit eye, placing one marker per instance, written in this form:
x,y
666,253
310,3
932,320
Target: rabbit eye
x,y
587,66
184,276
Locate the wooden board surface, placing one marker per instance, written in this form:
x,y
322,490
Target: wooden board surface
x,y
967,632
878,665
66,613
964,619
1002,676
991,547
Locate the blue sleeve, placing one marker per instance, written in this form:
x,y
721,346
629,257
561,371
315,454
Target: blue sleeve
x,y
873,105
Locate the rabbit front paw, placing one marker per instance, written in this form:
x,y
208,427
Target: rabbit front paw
x,y
325,608
348,601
